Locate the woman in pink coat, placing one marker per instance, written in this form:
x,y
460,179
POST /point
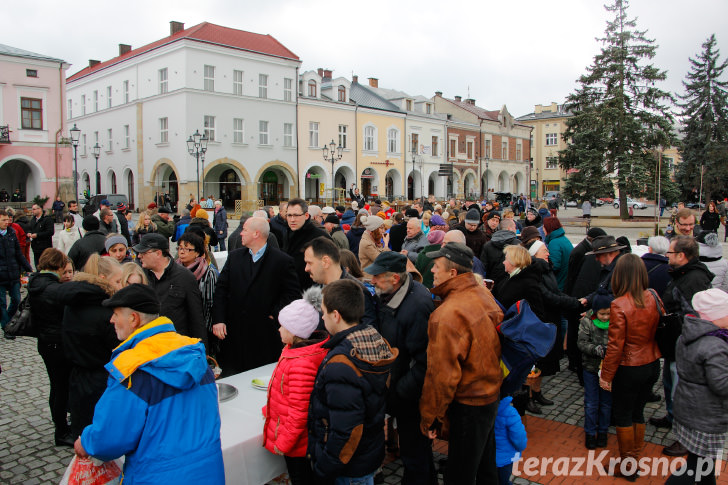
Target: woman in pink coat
x,y
286,413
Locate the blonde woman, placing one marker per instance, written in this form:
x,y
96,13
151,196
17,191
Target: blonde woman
x,y
132,273
425,224
373,241
144,226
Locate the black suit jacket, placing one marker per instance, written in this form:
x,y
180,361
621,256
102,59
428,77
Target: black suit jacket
x,y
247,295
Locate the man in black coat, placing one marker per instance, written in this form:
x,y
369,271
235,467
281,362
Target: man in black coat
x,y
175,286
301,230
256,282
11,262
93,241
40,232
122,222
279,225
404,310
398,231
492,255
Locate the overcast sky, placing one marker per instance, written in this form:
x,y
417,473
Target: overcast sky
x,y
517,53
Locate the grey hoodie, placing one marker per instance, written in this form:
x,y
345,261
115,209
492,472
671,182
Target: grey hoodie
x,y
701,396
711,254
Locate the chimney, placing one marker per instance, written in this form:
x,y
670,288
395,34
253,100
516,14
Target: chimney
x,y
93,62
470,101
373,82
124,49
175,27
355,79
321,72
538,109
458,99
438,94
328,73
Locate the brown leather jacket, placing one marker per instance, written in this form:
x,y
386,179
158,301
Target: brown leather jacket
x,y
631,334
463,354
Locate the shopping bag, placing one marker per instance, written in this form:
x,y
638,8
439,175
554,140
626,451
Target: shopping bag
x,y
89,471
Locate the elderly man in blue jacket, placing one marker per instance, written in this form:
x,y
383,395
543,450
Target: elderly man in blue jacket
x,y
160,405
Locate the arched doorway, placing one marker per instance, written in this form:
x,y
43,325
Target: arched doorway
x,y
470,185
20,178
112,183
393,184
230,188
165,181
269,188
315,184
86,184
130,189
503,182
369,181
414,185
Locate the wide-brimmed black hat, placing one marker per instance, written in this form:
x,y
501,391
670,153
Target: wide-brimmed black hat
x,y
604,244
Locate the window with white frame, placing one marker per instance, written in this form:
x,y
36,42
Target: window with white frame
x,y
238,135
551,139
312,88
108,96
453,148
83,104
96,138
552,162
164,130
110,134
313,133
162,75
209,125
70,109
342,94
263,132
96,101
288,89
414,142
428,108
83,145
209,78
263,88
518,151
370,141
238,82
409,105
487,148
504,151
127,141
469,150
342,135
125,88
435,143
288,135
393,140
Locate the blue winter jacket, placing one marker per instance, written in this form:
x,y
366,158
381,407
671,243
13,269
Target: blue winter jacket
x,y
510,434
559,251
348,217
159,410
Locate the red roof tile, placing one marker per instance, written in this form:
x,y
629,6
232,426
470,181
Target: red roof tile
x,y
206,33
479,112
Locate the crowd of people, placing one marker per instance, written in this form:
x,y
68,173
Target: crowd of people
x,y
379,319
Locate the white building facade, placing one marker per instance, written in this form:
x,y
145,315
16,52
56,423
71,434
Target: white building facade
x,y
236,87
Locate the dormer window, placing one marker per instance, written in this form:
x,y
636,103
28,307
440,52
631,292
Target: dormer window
x,y
342,94
312,88
409,105
428,108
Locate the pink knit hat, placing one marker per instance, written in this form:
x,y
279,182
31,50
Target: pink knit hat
x,y
712,304
301,317
436,236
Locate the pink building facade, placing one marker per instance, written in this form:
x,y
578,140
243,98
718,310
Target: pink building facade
x,y
35,156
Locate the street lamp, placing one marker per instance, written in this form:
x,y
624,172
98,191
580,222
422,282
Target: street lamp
x,y
197,146
414,154
332,154
97,152
75,135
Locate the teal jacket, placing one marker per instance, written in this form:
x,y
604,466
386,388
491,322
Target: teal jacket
x,y
159,410
559,251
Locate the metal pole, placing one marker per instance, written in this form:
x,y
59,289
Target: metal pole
x,y
332,180
700,195
75,172
96,176
197,156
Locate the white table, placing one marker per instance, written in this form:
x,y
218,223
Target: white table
x,y
241,433
220,259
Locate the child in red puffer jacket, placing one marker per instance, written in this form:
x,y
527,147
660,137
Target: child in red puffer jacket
x,y
286,413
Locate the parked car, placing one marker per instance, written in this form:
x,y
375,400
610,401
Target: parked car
x,y
571,203
93,203
599,202
605,200
631,203
548,194
695,205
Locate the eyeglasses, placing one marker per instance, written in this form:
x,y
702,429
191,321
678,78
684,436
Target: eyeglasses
x,y
294,216
182,249
673,252
686,224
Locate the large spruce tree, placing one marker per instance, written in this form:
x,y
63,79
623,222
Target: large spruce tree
x,y
620,117
705,124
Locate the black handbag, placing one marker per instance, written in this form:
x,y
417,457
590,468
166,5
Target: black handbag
x,y
668,329
21,325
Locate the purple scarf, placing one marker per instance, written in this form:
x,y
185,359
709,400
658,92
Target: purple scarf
x,y
721,333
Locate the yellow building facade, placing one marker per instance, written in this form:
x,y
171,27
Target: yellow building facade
x,y
381,153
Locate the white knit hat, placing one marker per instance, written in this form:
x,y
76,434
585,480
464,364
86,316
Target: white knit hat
x,y
711,304
301,317
535,247
372,223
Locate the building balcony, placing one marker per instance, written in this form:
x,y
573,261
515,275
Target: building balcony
x,y
5,134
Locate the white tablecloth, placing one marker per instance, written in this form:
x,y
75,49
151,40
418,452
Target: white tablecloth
x,y
241,433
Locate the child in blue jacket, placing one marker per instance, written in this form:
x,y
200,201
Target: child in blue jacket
x,y
510,439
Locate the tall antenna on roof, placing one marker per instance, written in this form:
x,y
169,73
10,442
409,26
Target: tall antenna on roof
x,y
468,92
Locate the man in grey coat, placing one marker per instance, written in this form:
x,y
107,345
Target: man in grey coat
x,y
415,240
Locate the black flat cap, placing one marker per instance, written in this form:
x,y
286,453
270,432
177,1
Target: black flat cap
x,y
152,241
458,253
164,210
332,218
387,262
138,297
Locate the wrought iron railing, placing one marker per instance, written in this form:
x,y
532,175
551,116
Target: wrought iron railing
x,y
5,134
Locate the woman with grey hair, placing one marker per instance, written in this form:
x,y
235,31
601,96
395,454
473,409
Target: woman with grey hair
x,y
711,254
656,263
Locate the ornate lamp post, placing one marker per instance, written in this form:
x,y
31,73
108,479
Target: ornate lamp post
x,y
97,180
414,155
75,135
197,147
332,154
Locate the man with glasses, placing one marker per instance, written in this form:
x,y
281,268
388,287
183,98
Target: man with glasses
x,y
684,223
301,230
175,286
689,276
